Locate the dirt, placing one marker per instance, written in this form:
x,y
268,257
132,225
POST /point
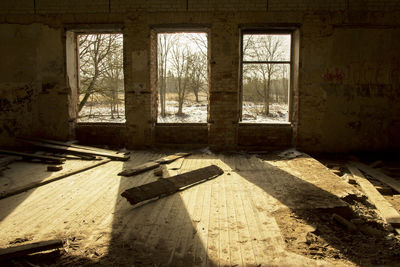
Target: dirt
x,y
314,234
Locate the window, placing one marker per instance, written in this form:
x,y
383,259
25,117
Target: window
x,y
182,77
101,78
266,71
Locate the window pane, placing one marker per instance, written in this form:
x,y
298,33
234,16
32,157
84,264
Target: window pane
x,y
266,47
265,93
101,78
182,77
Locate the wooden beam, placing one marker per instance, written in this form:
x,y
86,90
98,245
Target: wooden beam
x,y
387,211
33,156
140,169
395,184
152,164
78,151
171,158
53,142
22,250
24,188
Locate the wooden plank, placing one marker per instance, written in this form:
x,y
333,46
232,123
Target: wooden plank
x,y
24,188
171,158
165,187
152,164
33,156
18,251
78,151
140,169
378,175
68,144
190,178
387,211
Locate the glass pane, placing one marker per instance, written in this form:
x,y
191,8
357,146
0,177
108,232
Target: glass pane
x,y
265,93
182,77
101,78
266,47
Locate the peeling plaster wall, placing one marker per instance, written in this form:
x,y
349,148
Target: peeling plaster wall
x,y
350,89
32,84
347,92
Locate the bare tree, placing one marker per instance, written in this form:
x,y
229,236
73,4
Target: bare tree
x,y
197,73
93,49
111,82
165,42
264,48
180,63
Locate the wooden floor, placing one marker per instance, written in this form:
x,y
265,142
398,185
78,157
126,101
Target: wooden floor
x,y
227,221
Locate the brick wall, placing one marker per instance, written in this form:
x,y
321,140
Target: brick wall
x,y
334,110
261,137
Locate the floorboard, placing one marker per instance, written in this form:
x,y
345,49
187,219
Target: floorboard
x,y
226,221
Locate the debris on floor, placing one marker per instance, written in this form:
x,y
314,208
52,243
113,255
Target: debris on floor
x,y
165,187
75,149
259,211
26,249
34,156
54,168
152,164
140,169
24,188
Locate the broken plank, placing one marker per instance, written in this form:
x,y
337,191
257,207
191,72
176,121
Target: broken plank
x,y
68,144
378,175
152,164
78,151
24,188
140,169
171,158
33,156
387,211
22,250
190,178
165,187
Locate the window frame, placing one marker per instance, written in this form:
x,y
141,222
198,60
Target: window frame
x,y
291,62
161,29
96,29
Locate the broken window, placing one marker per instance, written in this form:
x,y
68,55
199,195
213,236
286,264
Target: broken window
x,y
101,78
182,77
266,72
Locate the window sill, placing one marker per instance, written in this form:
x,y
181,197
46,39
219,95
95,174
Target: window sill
x,y
101,124
278,124
181,124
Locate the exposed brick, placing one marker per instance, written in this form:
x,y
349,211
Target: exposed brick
x,y
306,5
121,6
374,5
181,134
264,136
227,5
17,7
71,6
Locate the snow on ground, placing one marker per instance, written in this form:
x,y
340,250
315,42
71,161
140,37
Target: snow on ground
x,y
101,114
252,113
193,113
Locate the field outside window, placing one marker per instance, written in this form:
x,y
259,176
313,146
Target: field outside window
x,y
101,78
182,77
266,66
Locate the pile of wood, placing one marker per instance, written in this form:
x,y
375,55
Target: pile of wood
x,y
374,192
56,153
